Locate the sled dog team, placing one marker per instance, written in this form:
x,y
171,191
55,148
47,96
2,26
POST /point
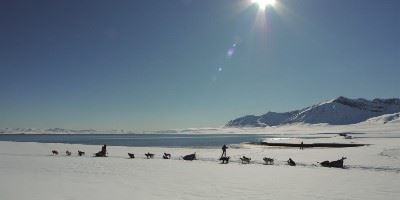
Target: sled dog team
x,y
224,158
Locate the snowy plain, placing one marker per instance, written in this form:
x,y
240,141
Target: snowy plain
x,y
29,171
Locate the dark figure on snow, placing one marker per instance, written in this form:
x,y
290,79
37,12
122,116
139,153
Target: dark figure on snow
x,y
103,151
291,162
302,145
224,151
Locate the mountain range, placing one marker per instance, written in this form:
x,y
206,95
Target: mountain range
x,y
338,111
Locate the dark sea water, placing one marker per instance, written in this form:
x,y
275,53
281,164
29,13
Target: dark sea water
x,y
138,140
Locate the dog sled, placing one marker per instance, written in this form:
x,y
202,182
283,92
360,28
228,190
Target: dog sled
x,y
100,154
335,164
190,157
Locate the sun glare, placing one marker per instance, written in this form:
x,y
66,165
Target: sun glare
x,y
262,4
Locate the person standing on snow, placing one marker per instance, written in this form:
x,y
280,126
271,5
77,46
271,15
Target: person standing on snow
x,y
224,150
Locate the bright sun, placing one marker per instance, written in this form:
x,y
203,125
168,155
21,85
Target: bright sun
x,y
262,4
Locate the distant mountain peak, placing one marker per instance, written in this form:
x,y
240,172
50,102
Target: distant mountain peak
x,y
338,111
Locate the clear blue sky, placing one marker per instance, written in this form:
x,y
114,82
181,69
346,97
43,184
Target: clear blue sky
x,y
155,64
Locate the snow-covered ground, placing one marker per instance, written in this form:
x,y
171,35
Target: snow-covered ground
x,y
28,171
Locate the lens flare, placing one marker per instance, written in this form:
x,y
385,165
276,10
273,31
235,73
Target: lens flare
x,y
262,4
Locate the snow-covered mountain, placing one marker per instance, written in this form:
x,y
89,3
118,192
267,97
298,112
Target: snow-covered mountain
x,y
339,111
